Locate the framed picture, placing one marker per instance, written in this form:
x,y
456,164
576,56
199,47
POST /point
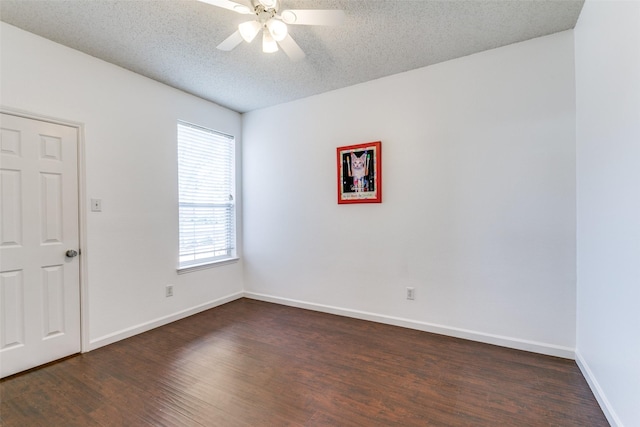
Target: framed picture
x,y
360,173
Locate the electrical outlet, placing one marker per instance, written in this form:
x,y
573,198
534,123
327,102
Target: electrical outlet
x,y
169,291
411,293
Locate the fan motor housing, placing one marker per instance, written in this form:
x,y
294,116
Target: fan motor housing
x,y
264,14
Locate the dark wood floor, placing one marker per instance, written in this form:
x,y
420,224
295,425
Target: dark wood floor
x,y
250,363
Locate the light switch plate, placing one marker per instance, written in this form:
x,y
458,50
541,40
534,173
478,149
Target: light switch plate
x,y
96,205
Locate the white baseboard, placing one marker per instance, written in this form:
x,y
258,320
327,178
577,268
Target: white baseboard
x,y
515,343
147,326
611,415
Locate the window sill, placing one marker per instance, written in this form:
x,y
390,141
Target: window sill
x,y
207,265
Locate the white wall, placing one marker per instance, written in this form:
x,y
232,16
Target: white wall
x,y
130,140
607,45
478,209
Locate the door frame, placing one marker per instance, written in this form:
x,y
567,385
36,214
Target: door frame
x,y
82,214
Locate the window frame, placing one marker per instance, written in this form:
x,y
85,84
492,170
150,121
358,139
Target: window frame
x,y
230,223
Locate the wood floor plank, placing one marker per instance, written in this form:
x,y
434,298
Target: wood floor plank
x,y
251,363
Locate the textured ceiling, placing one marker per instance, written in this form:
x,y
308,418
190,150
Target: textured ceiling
x,y
175,41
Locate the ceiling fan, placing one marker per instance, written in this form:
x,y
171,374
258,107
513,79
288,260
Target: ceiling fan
x,y
273,23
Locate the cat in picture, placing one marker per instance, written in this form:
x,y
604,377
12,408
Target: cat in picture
x,y
359,171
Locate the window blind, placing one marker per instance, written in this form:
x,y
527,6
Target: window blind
x,y
206,189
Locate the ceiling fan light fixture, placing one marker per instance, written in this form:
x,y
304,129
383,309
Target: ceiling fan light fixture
x,y
289,17
269,45
278,29
249,30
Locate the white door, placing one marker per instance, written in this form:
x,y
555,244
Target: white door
x,y
39,283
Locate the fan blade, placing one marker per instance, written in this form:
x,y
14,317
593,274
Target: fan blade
x,y
240,7
291,48
312,17
230,42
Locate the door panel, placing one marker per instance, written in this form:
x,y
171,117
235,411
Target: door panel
x,y
11,296
39,285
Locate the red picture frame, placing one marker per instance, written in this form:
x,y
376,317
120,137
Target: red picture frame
x,y
360,173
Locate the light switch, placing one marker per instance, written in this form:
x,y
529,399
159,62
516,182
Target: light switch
x,y
96,205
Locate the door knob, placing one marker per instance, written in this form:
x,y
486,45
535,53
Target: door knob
x,y
71,253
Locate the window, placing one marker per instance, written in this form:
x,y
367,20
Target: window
x,y
206,195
